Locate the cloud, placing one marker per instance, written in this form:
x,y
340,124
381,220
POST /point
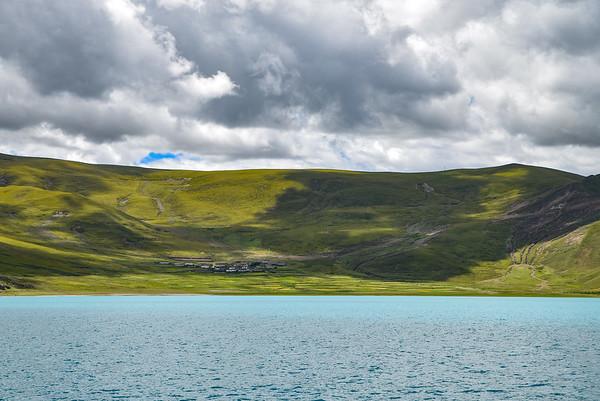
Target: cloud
x,y
120,113
85,48
368,84
205,88
173,4
123,78
297,64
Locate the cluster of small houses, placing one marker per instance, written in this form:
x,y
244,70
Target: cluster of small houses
x,y
208,265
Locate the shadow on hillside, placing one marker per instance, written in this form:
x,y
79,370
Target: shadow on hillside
x,y
334,204
459,210
556,212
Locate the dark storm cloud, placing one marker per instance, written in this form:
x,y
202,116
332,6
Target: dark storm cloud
x,y
61,45
60,62
99,120
291,65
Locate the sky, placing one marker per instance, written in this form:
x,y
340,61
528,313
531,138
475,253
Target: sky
x,y
381,85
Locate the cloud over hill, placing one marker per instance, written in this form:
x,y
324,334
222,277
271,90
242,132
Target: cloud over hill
x,y
413,85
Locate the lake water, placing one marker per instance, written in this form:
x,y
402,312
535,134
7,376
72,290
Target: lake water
x,y
299,348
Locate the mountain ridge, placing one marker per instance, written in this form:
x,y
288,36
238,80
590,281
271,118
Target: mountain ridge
x,y
70,227
7,156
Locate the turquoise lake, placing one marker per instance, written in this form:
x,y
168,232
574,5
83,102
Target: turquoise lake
x,y
299,348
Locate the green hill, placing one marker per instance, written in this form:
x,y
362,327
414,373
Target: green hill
x,y
69,227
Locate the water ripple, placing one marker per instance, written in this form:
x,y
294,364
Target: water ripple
x,y
294,348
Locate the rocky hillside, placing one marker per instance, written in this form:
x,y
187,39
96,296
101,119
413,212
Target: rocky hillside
x,y
556,212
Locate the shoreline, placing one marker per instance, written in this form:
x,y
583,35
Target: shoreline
x,y
341,295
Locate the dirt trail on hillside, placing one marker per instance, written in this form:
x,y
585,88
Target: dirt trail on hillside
x,y
159,205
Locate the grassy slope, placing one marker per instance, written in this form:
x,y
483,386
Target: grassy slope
x,y
74,228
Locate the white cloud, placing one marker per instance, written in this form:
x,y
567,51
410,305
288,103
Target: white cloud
x,y
123,11
205,88
173,4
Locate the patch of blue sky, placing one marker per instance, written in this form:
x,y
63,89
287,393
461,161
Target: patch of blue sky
x,y
156,156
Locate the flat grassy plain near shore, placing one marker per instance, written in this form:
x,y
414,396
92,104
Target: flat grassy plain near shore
x,y
164,284
73,228
287,281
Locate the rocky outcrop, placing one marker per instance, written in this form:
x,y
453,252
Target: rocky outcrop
x,y
425,187
5,180
7,283
556,212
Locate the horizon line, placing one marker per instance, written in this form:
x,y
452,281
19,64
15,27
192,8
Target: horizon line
x,y
324,169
